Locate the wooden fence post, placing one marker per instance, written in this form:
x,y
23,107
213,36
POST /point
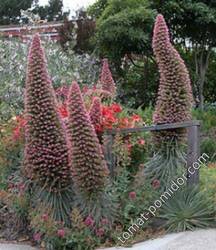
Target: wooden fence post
x,y
193,153
108,141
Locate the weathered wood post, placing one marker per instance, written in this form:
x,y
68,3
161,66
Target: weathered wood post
x,y
193,153
108,152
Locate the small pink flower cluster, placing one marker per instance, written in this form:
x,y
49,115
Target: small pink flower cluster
x,y
132,195
89,222
61,233
156,184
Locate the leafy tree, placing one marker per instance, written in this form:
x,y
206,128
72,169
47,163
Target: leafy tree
x,y
85,30
139,84
209,88
52,11
124,30
123,27
96,9
193,25
10,11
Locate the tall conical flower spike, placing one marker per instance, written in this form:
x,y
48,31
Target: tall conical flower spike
x,y
96,114
89,166
46,150
106,79
174,100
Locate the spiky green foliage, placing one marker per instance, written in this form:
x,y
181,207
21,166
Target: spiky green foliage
x,y
89,167
167,164
57,203
189,209
46,160
104,205
174,100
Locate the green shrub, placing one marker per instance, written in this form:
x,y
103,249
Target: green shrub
x,y
208,181
188,209
208,146
63,67
208,118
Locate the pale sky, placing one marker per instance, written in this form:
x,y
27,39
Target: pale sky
x,y
72,4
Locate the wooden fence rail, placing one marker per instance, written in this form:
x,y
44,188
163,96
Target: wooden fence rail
x,y
193,143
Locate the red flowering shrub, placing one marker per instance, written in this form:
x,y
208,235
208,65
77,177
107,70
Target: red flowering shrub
x,y
19,127
63,111
113,116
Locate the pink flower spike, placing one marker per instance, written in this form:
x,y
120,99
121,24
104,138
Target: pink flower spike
x,y
46,156
89,168
175,99
106,78
96,114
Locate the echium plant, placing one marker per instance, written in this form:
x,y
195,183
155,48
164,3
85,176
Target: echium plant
x,y
89,169
46,160
105,89
106,79
174,101
173,105
95,114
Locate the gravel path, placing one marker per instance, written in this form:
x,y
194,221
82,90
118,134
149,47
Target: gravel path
x,y
16,247
197,240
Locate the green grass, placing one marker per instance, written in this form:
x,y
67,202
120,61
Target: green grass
x,y
208,182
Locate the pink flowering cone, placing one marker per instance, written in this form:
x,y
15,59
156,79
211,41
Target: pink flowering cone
x,y
96,114
46,149
175,99
106,79
89,168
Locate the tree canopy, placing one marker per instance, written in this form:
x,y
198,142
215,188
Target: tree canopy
x,y
123,27
10,10
52,11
